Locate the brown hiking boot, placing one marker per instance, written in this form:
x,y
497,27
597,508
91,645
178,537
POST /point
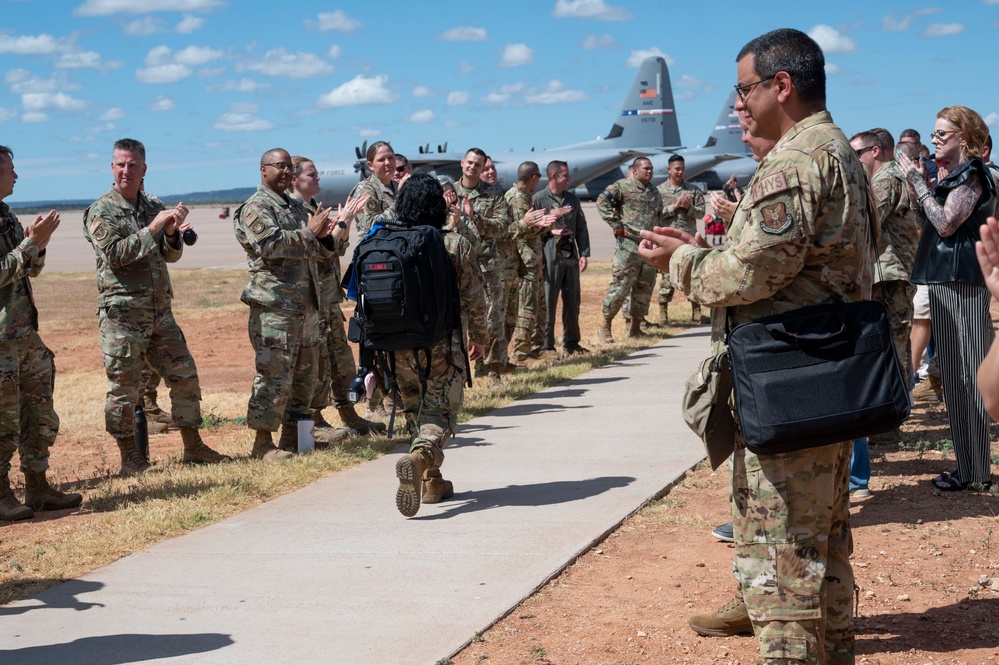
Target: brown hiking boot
x,y
930,390
195,450
355,422
325,437
132,463
730,619
41,496
636,329
409,470
264,448
604,332
664,314
11,509
157,420
435,488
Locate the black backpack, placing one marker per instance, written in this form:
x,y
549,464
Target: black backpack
x,y
407,297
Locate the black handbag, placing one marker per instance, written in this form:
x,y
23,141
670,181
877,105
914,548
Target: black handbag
x,y
817,375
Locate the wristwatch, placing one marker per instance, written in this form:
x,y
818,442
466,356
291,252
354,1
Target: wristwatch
x,y
341,223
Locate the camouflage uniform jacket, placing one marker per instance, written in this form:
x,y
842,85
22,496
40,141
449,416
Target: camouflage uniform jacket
x,y
685,220
282,252
528,238
491,218
470,285
578,239
900,225
19,260
381,202
131,261
799,236
628,207
330,292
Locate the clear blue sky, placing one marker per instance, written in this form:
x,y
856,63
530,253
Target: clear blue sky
x,y
208,85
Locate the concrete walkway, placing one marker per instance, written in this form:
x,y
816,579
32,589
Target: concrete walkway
x,y
333,574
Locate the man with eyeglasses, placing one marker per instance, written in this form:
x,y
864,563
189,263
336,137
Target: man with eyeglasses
x,y
800,238
134,237
282,240
403,169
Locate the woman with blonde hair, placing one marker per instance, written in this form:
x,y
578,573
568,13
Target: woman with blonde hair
x,y
959,300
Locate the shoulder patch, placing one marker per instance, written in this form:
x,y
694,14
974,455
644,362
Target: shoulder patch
x,y
775,218
879,192
98,231
372,205
772,184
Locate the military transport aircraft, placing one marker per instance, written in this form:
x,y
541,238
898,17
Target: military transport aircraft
x,y
646,125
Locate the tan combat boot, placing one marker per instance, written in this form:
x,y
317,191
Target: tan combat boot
x,y
132,463
435,488
263,448
158,421
604,332
195,450
636,329
732,618
289,438
355,422
664,314
930,390
10,508
410,470
41,496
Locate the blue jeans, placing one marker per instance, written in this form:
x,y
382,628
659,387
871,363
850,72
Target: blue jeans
x,y
860,464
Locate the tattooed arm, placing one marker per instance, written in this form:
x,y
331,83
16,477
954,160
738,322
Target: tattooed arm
x,y
960,203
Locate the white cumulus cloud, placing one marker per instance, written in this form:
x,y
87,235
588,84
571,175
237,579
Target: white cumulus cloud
x,y
594,42
637,57
34,116
832,70
109,7
890,24
189,24
465,67
242,85
85,60
143,27
169,73
992,118
242,117
831,40
165,66
194,56
465,33
359,91
457,98
32,44
6,114
280,62
161,103
337,21
421,91
426,115
502,96
335,52
553,93
112,114
592,9
515,55
50,101
943,29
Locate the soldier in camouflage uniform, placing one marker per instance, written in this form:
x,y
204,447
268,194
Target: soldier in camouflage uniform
x,y
630,206
799,237
28,421
683,205
418,472
529,334
336,360
283,245
514,270
484,206
134,238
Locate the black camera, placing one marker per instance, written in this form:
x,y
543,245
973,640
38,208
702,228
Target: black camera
x,y
190,237
356,391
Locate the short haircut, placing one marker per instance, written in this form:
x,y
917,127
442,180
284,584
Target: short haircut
x,y
639,160
401,160
421,202
131,145
555,166
527,170
869,139
268,155
477,151
374,148
4,150
792,51
969,123
909,134
675,158
886,139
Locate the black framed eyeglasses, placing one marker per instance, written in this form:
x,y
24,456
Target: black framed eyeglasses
x,y
742,89
280,166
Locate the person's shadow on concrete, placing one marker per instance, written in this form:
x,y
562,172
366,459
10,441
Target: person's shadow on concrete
x,y
540,494
57,594
116,649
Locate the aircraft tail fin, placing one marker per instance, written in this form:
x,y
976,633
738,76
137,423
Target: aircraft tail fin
x,y
648,116
727,134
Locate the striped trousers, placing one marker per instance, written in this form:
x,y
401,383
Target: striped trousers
x,y
962,331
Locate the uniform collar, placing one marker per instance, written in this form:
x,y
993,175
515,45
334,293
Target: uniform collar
x,y
279,199
819,118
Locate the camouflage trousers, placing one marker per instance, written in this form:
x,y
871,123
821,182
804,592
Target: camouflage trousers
x,y
28,421
500,285
336,361
793,543
899,295
529,335
131,337
432,423
150,384
631,277
286,345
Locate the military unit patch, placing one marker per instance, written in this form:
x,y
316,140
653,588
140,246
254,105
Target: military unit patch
x,y
776,218
258,228
98,231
